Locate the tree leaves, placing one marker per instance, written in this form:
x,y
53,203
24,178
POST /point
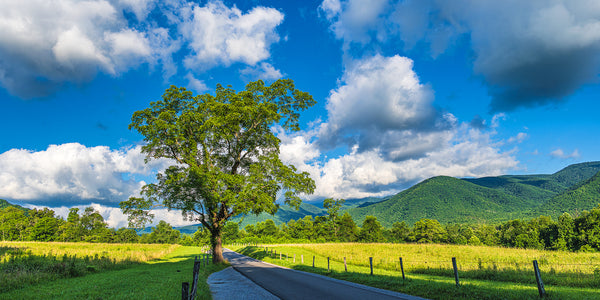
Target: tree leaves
x,y
227,155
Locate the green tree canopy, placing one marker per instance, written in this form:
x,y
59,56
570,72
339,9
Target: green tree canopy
x,y
225,154
428,231
400,231
12,223
371,230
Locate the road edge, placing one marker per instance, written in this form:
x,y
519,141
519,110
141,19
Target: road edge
x,y
357,285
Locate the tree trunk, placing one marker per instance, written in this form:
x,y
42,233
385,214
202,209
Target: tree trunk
x,y
217,248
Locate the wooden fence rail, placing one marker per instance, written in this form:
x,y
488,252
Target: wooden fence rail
x,y
189,292
540,284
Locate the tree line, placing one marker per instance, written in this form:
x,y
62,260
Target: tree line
x,y
571,233
88,226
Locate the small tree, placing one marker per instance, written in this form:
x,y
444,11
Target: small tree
x,y
428,231
163,233
371,230
333,207
347,228
400,231
12,223
225,154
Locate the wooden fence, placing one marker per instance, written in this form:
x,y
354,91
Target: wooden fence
x,y
189,292
273,254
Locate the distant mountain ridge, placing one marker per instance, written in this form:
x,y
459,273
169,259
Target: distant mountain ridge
x,y
284,214
491,199
466,200
4,204
580,197
445,199
459,200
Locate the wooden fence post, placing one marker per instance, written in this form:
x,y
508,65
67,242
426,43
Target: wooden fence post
x,y
538,279
328,264
313,261
302,258
402,268
345,266
371,264
184,290
455,271
279,255
196,274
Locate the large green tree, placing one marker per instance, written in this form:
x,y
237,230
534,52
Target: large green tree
x,y
333,207
13,222
224,151
371,230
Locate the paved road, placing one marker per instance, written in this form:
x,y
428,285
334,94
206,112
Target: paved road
x,y
292,284
229,284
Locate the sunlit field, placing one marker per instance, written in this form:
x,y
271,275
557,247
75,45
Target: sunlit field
x,y
484,272
116,252
98,271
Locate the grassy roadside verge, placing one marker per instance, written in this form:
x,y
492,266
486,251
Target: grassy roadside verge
x,y
29,263
156,279
423,285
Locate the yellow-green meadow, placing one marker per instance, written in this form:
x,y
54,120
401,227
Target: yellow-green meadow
x,y
484,272
98,271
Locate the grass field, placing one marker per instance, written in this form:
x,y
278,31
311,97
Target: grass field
x,y
110,271
484,272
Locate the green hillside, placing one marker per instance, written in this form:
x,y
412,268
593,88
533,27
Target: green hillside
x,y
583,196
352,202
4,203
283,214
577,173
532,188
490,199
447,200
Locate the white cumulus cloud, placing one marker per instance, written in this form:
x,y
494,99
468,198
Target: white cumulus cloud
x,y
384,116
528,52
264,71
381,104
196,84
519,138
45,44
74,173
560,153
220,35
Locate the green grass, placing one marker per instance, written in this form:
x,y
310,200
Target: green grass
x,y
511,281
157,278
29,263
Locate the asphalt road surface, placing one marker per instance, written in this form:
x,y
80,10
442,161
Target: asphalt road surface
x,y
293,284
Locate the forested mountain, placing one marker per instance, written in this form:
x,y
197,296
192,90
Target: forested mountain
x,y
576,174
583,196
4,203
445,199
453,200
283,214
491,199
535,188
354,202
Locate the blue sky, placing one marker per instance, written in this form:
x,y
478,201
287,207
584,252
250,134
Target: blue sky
x,y
406,90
